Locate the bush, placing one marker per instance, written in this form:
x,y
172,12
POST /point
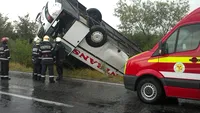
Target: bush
x,y
21,52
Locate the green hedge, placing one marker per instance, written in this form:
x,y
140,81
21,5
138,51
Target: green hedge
x,y
21,52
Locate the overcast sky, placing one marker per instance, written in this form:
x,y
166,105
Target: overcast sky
x,y
13,8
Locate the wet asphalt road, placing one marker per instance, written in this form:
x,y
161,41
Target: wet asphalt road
x,y
22,95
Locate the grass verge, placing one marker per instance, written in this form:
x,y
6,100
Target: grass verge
x,y
19,67
88,74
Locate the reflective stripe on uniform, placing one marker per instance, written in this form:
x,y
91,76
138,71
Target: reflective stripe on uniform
x,y
6,50
3,59
46,51
46,58
35,53
39,75
42,76
4,76
51,76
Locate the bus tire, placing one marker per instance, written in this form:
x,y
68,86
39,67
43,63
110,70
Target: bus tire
x,y
96,37
150,91
95,17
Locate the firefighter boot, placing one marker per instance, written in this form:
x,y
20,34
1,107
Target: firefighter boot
x,y
59,78
34,76
51,80
38,77
2,78
6,77
42,79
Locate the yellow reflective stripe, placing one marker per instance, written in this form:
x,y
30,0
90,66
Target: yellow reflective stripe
x,y
125,68
154,60
175,59
172,60
199,60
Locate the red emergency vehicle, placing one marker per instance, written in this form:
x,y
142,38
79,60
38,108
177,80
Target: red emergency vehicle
x,y
172,67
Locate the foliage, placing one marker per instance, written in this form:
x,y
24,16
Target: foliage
x,y
6,28
25,28
21,52
19,34
146,21
14,66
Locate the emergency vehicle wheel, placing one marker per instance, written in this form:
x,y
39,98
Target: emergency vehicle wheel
x,y
96,37
150,91
96,16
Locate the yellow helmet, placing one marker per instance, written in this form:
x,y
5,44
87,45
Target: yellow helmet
x,y
46,38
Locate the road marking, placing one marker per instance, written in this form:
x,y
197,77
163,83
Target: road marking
x,y
21,88
36,99
93,81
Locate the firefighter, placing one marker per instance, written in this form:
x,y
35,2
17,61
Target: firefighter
x,y
46,54
36,59
59,51
4,58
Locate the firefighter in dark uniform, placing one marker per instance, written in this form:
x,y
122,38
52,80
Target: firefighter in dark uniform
x,y
4,58
36,59
59,51
46,54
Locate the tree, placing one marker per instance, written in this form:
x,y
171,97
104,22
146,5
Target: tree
x,y
25,28
6,28
146,21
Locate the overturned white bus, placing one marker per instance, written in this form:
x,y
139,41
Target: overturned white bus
x,y
86,36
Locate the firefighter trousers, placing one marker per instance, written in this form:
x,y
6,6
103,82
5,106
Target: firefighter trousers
x,y
37,70
50,70
4,68
59,68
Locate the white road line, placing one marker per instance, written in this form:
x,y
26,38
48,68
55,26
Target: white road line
x,y
21,88
36,99
92,81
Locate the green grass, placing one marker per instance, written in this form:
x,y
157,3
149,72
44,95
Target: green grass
x,y
92,75
19,67
88,74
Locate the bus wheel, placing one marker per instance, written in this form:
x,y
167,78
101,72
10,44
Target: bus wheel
x,y
150,91
96,37
95,17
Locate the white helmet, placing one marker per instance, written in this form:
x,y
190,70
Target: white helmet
x,y
58,39
37,40
46,38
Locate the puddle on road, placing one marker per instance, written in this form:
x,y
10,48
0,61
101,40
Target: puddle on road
x,y
102,104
